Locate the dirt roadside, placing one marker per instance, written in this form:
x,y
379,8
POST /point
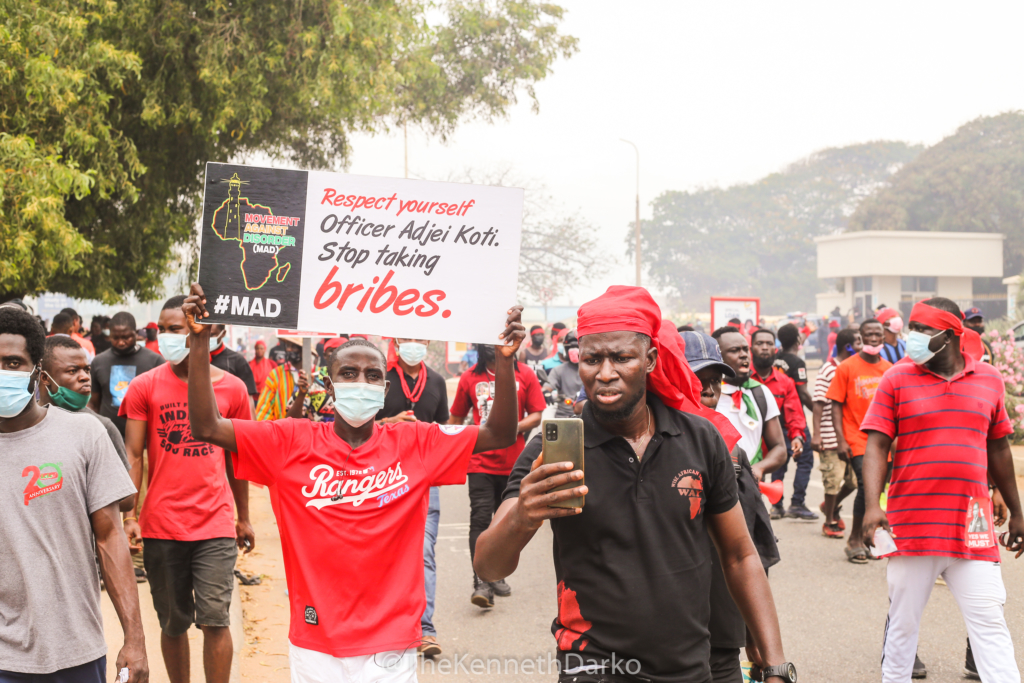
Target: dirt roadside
x,y
263,658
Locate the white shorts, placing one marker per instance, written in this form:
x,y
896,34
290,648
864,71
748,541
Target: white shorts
x,y
310,666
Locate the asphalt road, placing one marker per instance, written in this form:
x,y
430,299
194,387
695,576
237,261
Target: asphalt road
x,y
832,613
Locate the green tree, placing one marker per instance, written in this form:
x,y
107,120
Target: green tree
x,y
971,181
110,110
758,239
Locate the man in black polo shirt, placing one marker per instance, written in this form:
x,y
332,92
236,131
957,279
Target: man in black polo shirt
x,y
418,393
633,565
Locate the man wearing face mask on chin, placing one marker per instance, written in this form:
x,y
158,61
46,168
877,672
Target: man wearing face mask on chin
x,y
117,367
419,393
351,502
853,387
187,522
66,382
894,348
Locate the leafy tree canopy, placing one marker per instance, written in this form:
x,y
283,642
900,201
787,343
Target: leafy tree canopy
x,y
972,181
758,239
109,110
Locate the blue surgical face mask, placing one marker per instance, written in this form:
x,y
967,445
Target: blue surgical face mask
x,y
14,393
561,349
358,402
214,343
917,347
172,346
412,353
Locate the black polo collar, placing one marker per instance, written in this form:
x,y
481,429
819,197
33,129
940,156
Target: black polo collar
x,y
666,422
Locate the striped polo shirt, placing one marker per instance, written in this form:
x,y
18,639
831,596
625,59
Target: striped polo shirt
x,y
941,460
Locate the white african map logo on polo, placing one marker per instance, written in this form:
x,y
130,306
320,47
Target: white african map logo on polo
x,y
451,430
330,487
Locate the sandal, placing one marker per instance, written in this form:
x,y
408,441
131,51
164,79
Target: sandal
x,y
839,520
857,555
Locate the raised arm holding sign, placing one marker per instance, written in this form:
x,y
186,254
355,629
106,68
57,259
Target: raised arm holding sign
x,y
350,499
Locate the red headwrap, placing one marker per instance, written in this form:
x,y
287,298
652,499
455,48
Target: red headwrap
x,y
970,344
631,309
935,318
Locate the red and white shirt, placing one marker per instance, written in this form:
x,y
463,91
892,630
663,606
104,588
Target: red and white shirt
x,y
476,392
941,459
352,523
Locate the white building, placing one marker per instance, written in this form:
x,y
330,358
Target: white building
x,y
899,268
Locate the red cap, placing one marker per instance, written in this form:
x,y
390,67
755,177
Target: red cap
x,y
151,326
334,343
834,324
887,314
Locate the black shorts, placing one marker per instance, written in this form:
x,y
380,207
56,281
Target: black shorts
x,y
90,672
191,581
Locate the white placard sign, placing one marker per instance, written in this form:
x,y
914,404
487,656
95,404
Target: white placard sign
x,y
358,254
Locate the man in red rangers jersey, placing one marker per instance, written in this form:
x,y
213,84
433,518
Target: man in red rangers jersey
x,y
351,503
947,411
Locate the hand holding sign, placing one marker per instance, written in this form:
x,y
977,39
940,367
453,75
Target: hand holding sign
x,y
514,333
332,251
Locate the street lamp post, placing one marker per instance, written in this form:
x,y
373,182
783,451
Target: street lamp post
x,y
637,228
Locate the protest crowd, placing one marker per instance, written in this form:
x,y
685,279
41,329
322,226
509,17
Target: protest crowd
x,y
687,438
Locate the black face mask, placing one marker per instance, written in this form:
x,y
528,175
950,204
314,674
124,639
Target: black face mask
x,y
537,339
293,357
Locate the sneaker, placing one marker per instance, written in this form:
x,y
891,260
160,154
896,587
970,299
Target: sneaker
x,y
801,512
500,588
140,575
428,647
778,512
483,595
920,670
831,530
970,668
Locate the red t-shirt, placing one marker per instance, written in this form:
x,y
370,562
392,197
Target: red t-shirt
x,y
354,565
941,459
189,498
477,392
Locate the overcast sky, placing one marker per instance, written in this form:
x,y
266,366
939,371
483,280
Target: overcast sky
x,y
716,93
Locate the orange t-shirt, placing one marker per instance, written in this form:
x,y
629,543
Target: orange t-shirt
x,y
854,385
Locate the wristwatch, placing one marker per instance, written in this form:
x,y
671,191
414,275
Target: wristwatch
x,y
785,671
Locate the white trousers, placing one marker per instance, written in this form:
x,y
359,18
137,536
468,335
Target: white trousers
x,y
310,666
977,587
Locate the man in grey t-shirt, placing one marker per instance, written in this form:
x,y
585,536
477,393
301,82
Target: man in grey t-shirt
x,y
116,368
60,484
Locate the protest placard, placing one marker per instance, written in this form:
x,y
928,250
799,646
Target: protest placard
x,y
746,309
344,253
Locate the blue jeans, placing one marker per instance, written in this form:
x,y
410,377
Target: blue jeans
x,y
429,566
804,465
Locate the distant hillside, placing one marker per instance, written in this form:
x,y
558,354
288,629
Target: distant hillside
x,y
757,239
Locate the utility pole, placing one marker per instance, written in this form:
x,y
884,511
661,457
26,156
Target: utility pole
x,y
405,134
637,229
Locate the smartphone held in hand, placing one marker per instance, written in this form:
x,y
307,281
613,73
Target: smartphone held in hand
x,y
563,442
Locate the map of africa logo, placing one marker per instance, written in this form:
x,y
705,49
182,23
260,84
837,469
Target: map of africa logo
x,y
261,236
